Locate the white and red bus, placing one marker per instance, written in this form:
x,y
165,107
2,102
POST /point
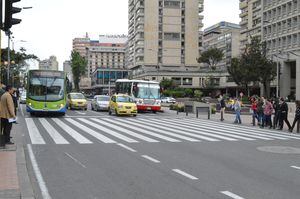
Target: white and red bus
x,y
145,93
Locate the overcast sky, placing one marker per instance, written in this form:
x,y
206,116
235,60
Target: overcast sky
x,y
49,27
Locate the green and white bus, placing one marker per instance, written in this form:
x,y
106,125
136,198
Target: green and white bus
x,y
46,92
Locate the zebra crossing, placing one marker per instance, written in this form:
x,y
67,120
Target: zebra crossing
x,y
82,130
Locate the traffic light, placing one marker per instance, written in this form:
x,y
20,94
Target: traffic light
x,y
10,10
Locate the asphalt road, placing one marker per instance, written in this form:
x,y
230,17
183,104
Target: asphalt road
x,y
161,156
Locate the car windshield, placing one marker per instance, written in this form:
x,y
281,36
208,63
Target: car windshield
x,y
77,96
103,98
46,88
124,99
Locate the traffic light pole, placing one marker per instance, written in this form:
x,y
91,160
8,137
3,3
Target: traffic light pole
x,y
8,57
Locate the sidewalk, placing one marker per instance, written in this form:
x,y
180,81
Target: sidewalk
x,y
228,118
14,178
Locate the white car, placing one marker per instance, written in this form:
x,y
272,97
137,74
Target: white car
x,y
23,98
100,103
168,100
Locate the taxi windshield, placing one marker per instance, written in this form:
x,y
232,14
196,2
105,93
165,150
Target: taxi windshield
x,y
126,99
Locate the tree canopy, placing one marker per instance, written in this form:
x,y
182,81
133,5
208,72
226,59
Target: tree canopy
x,y
253,66
211,57
78,64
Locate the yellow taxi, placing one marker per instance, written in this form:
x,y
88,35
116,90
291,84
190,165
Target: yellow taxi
x,y
122,104
76,101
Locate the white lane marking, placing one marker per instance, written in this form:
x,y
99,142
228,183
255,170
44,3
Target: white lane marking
x,y
38,175
34,134
93,133
295,167
143,131
159,131
150,158
127,147
108,131
58,139
123,130
80,113
213,131
75,160
78,137
193,130
178,130
262,132
231,195
184,174
230,130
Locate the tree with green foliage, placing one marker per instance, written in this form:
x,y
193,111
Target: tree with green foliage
x,y
253,66
167,84
211,57
198,94
78,65
18,64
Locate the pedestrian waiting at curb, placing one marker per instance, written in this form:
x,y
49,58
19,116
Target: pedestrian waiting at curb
x,y
283,114
297,118
260,110
7,113
223,106
268,111
237,109
276,107
253,110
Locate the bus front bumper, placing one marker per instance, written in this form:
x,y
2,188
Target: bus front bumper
x,y
148,108
32,110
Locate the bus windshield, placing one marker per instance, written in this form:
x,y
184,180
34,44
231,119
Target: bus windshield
x,y
46,88
146,91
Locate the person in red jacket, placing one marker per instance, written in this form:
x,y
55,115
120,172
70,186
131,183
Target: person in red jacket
x,y
254,110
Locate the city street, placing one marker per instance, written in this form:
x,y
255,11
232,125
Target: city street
x,y
89,154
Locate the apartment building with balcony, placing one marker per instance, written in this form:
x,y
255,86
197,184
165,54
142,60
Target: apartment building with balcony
x,y
281,32
164,39
251,13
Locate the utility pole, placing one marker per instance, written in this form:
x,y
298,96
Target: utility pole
x,y
8,57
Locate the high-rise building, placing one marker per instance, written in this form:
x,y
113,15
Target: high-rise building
x,y
49,64
80,45
163,37
250,21
68,70
281,32
226,37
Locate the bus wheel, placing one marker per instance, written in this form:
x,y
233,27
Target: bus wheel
x,y
153,111
32,114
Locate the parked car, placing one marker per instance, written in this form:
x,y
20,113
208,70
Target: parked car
x,y
121,104
76,101
100,103
23,98
168,100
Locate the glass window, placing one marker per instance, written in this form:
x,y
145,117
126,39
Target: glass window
x,y
124,99
76,96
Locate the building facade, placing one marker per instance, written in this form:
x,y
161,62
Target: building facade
x,y
281,32
226,37
251,13
49,64
163,37
68,70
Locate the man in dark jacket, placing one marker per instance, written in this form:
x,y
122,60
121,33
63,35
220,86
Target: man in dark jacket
x,y
283,112
297,118
223,105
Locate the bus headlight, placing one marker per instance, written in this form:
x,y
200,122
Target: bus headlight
x,y
62,105
29,104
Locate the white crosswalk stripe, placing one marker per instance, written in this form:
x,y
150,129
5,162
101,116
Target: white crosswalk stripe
x,y
142,130
82,130
77,136
34,133
93,133
124,130
57,138
108,131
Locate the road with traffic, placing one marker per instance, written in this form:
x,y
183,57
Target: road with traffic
x,y
92,155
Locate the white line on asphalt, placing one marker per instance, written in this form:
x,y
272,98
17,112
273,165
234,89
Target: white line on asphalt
x,y
39,177
33,131
57,138
151,159
80,113
75,160
295,167
231,195
127,147
185,174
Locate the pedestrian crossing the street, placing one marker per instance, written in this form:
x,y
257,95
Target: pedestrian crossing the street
x,y
82,130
